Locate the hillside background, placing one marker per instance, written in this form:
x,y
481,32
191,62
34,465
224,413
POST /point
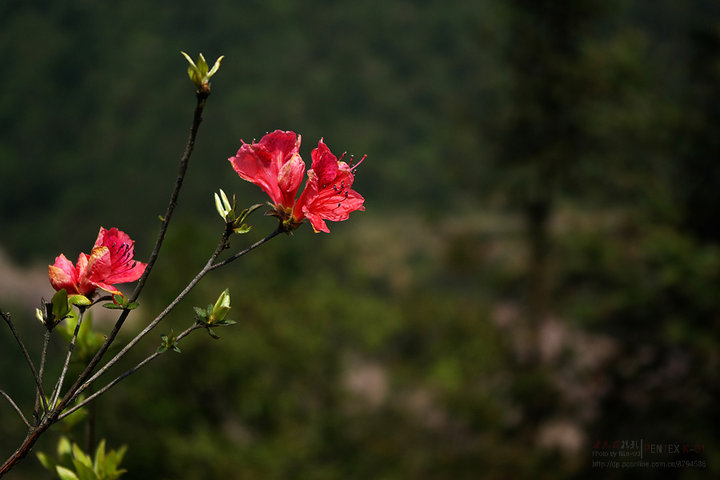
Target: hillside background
x,y
537,269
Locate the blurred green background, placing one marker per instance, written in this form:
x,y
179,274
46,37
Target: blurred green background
x,y
537,269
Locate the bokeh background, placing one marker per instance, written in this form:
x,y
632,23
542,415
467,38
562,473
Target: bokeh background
x,y
536,274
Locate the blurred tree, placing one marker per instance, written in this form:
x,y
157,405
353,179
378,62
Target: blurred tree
x,y
541,129
698,144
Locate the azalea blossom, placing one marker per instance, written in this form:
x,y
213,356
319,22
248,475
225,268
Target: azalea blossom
x,y
327,194
110,262
275,165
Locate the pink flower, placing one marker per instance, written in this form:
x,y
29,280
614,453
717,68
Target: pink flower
x,y
274,165
327,194
110,262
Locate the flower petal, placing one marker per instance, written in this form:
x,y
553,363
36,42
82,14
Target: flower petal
x,y
63,275
266,165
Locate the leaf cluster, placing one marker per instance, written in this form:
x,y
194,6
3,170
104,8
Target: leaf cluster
x,y
74,464
215,315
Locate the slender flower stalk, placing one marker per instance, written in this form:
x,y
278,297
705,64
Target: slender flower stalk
x,y
124,375
59,384
209,266
39,394
31,365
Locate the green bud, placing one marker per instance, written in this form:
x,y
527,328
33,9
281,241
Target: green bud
x,y
223,206
199,72
169,342
221,308
79,300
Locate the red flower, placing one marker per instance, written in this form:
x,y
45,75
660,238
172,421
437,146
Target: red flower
x,y
110,262
274,165
327,194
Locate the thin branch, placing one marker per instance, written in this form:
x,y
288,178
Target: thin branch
x,y
182,169
220,247
209,266
61,380
125,374
38,383
38,392
247,250
14,405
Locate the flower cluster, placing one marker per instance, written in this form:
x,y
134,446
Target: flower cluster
x,y
274,164
110,262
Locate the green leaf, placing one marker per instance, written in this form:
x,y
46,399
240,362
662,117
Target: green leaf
x,y
225,323
226,202
113,306
60,307
223,302
112,461
200,312
64,447
190,60
215,67
202,66
83,471
168,342
218,206
99,463
65,474
81,456
46,461
242,229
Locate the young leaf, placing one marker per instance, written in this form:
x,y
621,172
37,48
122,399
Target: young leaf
x,y
81,456
65,474
242,229
99,463
60,307
46,461
79,300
